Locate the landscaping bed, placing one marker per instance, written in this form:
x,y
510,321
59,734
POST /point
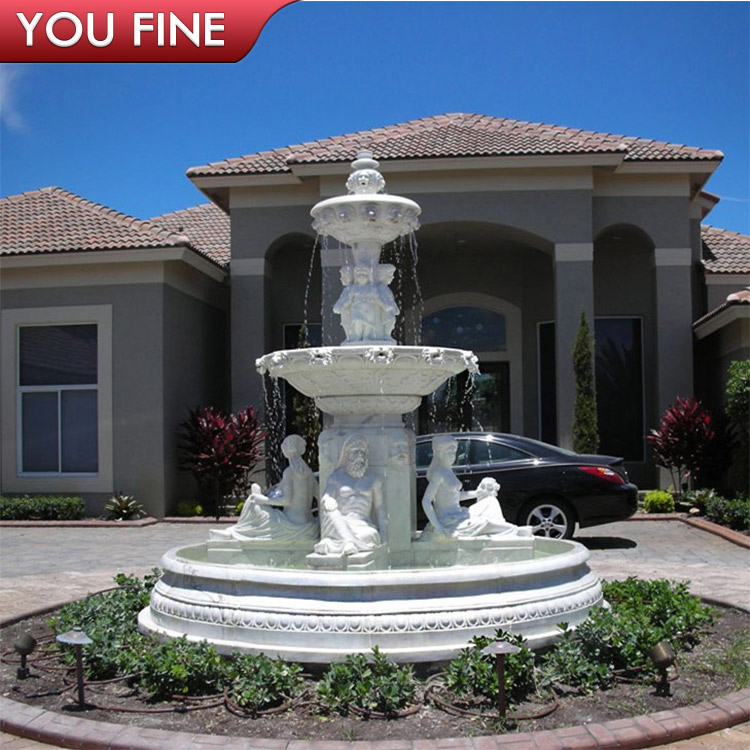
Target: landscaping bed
x,y
580,680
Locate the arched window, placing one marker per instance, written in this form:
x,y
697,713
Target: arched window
x,y
465,328
461,404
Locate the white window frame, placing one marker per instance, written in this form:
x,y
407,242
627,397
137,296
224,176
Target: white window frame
x,y
14,480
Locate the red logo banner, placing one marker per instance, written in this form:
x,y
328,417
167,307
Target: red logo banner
x,y
128,31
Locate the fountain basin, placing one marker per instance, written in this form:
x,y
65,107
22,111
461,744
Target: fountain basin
x,y
346,380
413,614
369,218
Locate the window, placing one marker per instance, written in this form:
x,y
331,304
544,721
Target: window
x,y
56,419
465,328
489,452
424,454
619,387
57,390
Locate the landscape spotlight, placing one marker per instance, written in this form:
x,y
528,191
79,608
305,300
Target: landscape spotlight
x,y
24,645
500,649
78,639
663,657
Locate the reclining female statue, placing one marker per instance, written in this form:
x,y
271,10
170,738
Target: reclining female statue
x,y
292,519
443,496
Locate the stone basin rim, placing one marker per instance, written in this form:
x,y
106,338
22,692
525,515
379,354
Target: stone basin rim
x,y
364,198
574,556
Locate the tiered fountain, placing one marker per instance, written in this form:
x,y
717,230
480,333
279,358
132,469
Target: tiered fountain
x,y
313,589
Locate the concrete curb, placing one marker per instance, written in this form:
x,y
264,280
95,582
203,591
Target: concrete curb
x,y
91,523
735,537
66,730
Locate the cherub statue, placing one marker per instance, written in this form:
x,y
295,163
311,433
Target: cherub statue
x,y
367,307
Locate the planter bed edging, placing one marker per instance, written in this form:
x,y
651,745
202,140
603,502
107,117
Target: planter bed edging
x,y
67,730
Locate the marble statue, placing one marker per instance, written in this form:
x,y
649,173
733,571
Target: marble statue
x,y
367,306
292,518
352,497
443,496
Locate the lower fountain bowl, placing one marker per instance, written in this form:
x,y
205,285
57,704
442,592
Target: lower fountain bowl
x,y
413,614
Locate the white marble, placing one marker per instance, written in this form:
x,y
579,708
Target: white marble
x,y
363,575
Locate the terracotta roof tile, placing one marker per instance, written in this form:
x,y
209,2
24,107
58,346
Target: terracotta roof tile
x,y
455,135
725,251
207,227
53,220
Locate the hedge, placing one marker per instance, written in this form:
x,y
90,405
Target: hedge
x,y
41,508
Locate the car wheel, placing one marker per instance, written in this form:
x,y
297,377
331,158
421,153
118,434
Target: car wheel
x,y
549,517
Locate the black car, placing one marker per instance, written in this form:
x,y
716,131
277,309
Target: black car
x,y
541,485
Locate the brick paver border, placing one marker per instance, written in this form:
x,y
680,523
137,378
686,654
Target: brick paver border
x,y
730,535
68,730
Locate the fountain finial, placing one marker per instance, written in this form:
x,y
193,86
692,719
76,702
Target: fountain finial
x,y
365,178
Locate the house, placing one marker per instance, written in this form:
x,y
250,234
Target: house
x,y
128,323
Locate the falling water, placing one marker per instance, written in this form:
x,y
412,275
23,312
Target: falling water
x,y
309,279
419,301
275,428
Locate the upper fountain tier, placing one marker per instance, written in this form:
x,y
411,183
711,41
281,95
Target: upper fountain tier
x,y
366,218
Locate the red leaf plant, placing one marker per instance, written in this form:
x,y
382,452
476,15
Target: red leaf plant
x,y
684,442
221,450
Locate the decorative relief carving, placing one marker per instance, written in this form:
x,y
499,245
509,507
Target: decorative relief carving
x,y
421,622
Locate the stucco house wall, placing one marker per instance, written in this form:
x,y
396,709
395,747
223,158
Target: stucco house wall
x,y
168,354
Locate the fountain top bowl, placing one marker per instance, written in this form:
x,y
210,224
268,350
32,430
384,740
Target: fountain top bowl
x,y
367,214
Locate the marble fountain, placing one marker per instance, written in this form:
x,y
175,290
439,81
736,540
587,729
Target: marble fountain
x,y
315,588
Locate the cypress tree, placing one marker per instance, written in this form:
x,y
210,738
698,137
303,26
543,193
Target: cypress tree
x,y
585,429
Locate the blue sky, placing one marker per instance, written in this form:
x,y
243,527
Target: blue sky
x,y
124,135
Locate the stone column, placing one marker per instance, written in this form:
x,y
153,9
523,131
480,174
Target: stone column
x,y
574,289
674,335
249,321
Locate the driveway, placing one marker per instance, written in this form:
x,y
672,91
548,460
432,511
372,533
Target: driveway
x,y
40,567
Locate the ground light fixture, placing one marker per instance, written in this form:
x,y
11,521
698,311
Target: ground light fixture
x,y
78,639
662,656
500,649
24,645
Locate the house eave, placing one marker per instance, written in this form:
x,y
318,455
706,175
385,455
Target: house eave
x,y
104,257
731,313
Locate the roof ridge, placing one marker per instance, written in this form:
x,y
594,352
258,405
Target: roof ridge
x,y
107,211
201,206
724,231
456,134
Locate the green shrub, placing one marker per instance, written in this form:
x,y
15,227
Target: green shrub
x,y
110,619
182,667
189,508
699,498
642,613
734,514
41,508
123,507
585,421
475,674
658,501
260,683
367,684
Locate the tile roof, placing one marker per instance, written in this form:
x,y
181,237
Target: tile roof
x,y
53,220
206,225
725,251
456,135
